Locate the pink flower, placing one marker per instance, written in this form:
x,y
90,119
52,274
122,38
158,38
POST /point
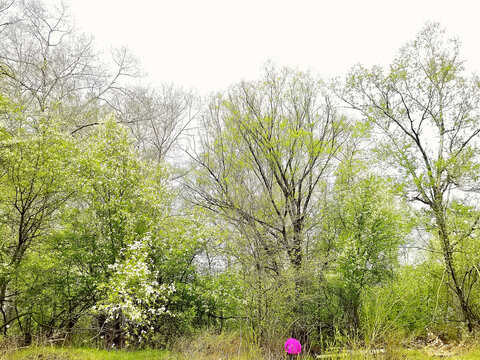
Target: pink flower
x,y
293,346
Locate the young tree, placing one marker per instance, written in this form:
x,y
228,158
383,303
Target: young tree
x,y
368,224
35,183
427,116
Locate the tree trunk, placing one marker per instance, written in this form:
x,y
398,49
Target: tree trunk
x,y
469,317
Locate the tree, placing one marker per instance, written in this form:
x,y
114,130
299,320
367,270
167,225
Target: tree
x,y
427,116
5,19
368,224
268,148
36,182
158,118
117,199
52,70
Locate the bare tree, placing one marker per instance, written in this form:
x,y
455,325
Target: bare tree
x,y
6,18
158,118
49,68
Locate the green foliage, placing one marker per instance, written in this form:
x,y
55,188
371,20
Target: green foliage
x,y
268,146
366,227
407,305
428,113
298,227
371,227
35,186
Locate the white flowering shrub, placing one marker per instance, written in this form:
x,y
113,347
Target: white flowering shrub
x,y
134,300
155,290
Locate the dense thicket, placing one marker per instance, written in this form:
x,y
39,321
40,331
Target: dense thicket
x,y
281,215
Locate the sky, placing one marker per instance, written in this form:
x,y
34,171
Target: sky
x,y
209,44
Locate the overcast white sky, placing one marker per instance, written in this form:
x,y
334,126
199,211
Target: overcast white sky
x,y
209,44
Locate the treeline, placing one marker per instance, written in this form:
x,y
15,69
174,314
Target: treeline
x,y
284,206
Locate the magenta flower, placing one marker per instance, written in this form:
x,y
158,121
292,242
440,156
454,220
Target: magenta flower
x,y
293,346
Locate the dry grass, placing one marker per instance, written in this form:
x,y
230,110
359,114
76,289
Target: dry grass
x,y
232,345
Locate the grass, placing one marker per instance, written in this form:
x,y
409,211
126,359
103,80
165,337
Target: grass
x,y
49,353
235,345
